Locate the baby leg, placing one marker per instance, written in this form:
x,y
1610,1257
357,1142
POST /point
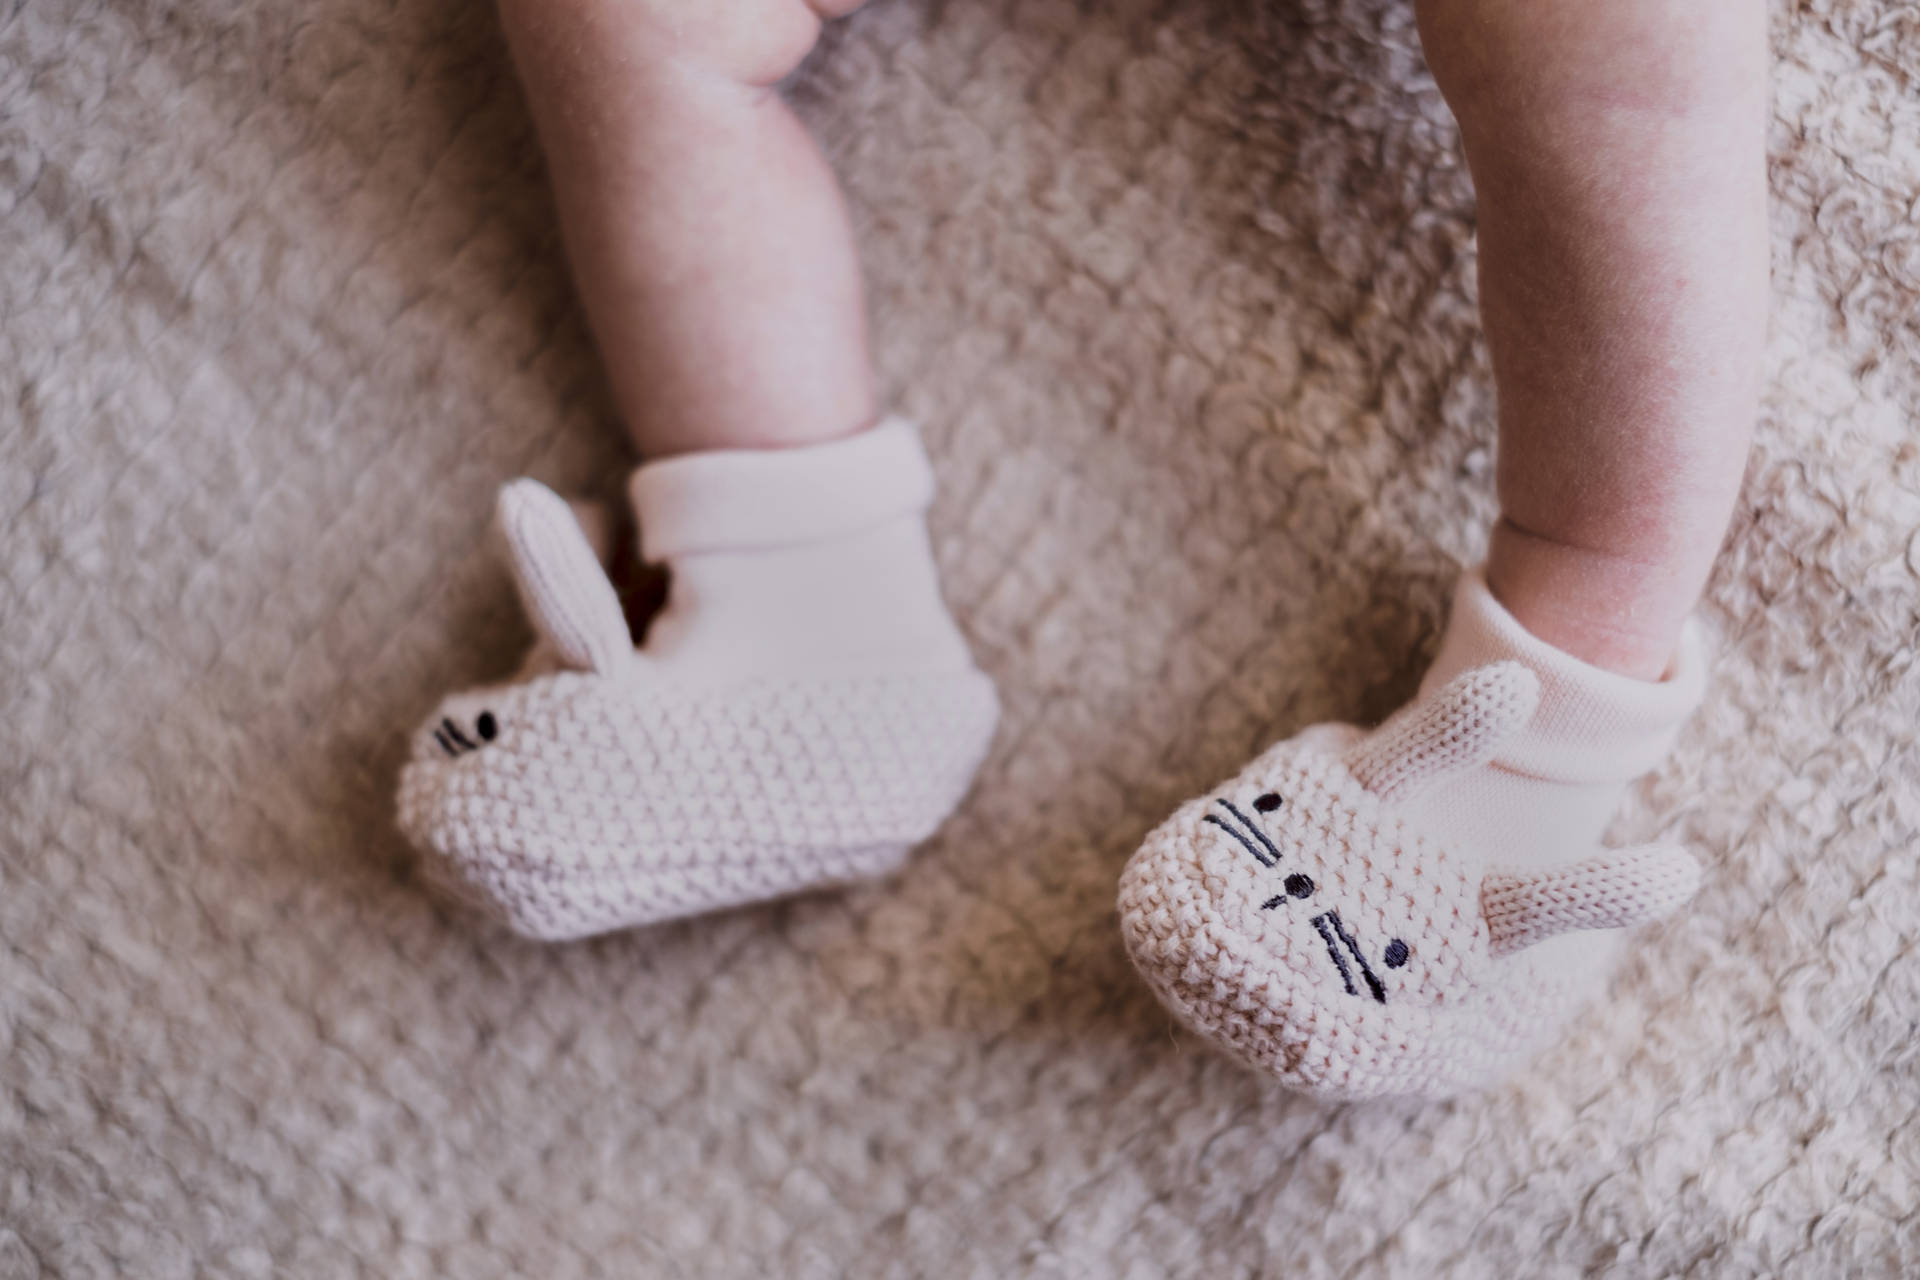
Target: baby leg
x,y
707,235
1618,157
804,709
1343,912
712,250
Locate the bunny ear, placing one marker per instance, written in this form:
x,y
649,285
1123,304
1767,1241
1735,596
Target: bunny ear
x,y
564,589
1616,889
1457,728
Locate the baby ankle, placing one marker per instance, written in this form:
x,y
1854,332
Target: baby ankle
x,y
797,561
1617,611
1553,788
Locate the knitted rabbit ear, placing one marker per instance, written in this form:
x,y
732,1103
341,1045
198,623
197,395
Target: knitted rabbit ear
x,y
1615,889
564,589
1458,728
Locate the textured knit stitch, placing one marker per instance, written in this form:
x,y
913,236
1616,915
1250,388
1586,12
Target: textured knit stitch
x,y
1185,295
1319,917
605,803
1428,740
616,792
1611,891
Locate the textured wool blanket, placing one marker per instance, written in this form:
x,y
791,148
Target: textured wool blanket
x,y
1183,294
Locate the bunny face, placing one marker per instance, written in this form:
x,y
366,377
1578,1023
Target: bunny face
x,y
1359,946
1295,917
1346,914
479,732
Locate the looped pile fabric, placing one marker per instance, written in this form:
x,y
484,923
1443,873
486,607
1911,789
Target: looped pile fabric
x,y
1182,294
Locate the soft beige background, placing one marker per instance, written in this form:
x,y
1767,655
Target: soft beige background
x,y
1183,292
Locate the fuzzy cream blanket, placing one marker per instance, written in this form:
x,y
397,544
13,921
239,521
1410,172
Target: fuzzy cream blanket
x,y
1184,294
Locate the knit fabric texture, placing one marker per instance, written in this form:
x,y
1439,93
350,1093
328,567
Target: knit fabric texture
x,y
1413,749
616,792
1295,917
608,801
1183,297
1611,891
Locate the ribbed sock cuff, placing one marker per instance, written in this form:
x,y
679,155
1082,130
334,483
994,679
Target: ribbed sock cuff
x,y
742,499
1593,725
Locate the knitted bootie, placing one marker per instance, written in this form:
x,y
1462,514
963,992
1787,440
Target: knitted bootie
x,y
1418,909
804,710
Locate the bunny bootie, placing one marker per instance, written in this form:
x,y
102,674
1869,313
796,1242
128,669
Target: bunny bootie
x,y
803,712
1417,910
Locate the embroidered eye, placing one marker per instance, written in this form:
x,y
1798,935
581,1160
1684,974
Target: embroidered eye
x,y
1296,884
1396,954
1267,803
455,742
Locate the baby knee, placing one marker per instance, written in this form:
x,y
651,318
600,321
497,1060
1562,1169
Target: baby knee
x,y
752,41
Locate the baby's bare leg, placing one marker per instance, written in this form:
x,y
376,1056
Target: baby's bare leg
x,y
708,238
1618,154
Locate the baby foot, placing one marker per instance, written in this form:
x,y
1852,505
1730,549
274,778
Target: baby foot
x,y
1339,915
745,752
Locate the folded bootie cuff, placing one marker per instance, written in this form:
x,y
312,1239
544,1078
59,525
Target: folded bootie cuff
x,y
742,499
1593,725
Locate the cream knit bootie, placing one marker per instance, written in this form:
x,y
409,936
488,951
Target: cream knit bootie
x,y
1418,909
803,713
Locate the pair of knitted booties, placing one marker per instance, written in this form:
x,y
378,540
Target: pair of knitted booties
x,y
1414,910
